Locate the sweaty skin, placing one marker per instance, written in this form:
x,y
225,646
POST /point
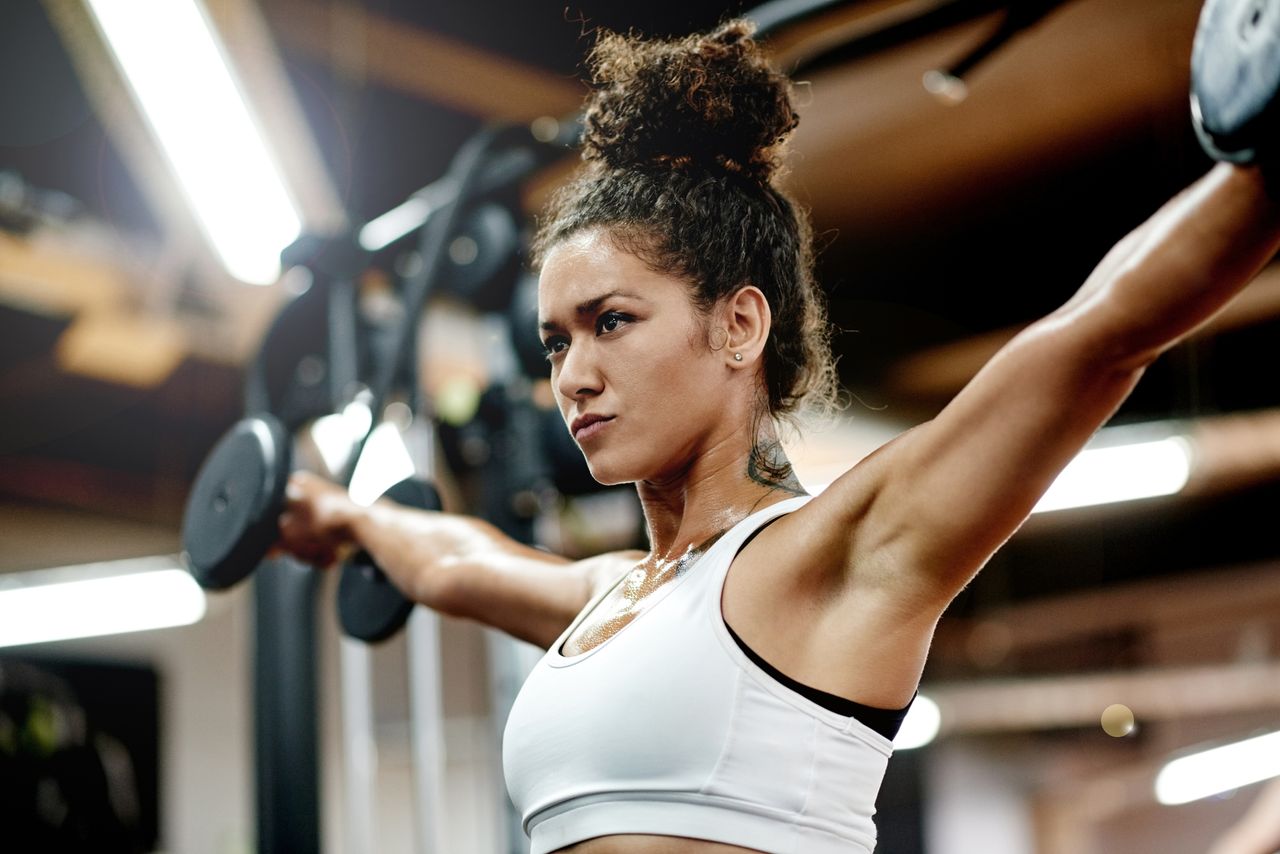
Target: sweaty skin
x,y
843,594
630,597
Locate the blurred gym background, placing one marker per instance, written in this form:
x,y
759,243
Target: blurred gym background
x,y
966,162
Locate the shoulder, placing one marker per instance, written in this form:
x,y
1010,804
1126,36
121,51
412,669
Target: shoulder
x,y
843,536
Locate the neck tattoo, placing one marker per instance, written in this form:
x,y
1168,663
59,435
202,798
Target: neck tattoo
x,y
768,466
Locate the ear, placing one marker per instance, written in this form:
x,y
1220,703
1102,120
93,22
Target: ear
x,y
747,318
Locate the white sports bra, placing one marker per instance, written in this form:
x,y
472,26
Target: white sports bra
x,y
668,728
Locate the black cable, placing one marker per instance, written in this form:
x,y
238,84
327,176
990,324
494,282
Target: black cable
x,y
1020,14
777,15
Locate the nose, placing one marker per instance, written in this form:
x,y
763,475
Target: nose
x,y
578,377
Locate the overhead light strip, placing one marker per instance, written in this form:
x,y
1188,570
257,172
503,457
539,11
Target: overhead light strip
x,y
1123,464
179,74
1127,472
1220,769
97,599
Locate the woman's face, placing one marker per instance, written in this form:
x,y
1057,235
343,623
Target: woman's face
x,y
633,372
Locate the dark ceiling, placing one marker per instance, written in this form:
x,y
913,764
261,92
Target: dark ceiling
x,y
963,246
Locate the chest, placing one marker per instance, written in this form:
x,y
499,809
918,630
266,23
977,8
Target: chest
x,y
639,589
669,706
623,706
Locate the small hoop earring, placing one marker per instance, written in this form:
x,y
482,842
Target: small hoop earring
x,y
737,357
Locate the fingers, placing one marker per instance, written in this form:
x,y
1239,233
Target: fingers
x,y
304,486
297,538
315,523
317,557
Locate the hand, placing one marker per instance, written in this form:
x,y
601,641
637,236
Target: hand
x,y
315,526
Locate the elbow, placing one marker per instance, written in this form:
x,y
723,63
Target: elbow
x,y
1140,313
1115,338
439,586
1129,359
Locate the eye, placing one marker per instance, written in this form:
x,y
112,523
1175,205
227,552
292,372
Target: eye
x,y
554,345
610,321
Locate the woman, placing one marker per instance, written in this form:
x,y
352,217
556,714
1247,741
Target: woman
x,y
777,638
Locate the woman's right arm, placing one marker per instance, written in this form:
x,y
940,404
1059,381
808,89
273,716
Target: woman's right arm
x,y
454,564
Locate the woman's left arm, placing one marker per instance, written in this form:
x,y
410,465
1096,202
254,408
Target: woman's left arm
x,y
948,493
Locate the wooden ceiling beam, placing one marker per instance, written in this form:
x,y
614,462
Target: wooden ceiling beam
x,y
1226,596
937,373
421,63
1068,701
875,154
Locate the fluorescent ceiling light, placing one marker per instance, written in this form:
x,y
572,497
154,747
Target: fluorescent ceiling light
x,y
1122,464
920,726
1218,770
97,599
1120,473
179,74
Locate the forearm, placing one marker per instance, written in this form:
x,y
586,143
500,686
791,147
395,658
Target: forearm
x,y
467,568
1181,266
957,487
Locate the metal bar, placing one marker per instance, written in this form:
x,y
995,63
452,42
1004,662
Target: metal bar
x,y
286,733
360,748
426,715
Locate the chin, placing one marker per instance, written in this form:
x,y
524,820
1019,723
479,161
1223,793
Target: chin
x,y
611,467
607,475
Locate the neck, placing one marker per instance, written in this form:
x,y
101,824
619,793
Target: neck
x,y
720,488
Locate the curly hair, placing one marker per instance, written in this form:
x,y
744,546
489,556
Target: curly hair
x,y
682,146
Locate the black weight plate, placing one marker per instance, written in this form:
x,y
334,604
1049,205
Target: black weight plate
x,y
232,514
1235,71
370,607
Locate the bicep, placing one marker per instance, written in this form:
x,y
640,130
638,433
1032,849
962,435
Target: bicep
x,y
969,478
923,515
960,485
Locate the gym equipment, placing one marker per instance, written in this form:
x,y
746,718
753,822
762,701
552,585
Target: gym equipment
x,y
370,607
232,514
484,256
311,356
230,520
1235,71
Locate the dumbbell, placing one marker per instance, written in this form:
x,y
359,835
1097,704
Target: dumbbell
x,y
1235,72
232,518
370,607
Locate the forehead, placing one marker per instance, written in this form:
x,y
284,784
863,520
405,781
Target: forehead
x,y
589,264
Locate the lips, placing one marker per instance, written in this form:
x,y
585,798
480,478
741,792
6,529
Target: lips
x,y
586,426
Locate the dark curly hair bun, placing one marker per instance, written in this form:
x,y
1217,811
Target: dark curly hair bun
x,y
682,145
706,101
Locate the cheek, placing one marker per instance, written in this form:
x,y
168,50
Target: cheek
x,y
683,381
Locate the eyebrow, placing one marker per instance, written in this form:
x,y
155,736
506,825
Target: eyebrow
x,y
591,306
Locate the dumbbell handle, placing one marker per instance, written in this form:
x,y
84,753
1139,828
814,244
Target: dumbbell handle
x,y
370,607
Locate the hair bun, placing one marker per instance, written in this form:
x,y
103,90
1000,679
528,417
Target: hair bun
x,y
706,101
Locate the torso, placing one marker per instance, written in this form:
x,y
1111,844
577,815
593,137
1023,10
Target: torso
x,y
822,637
849,640
635,591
